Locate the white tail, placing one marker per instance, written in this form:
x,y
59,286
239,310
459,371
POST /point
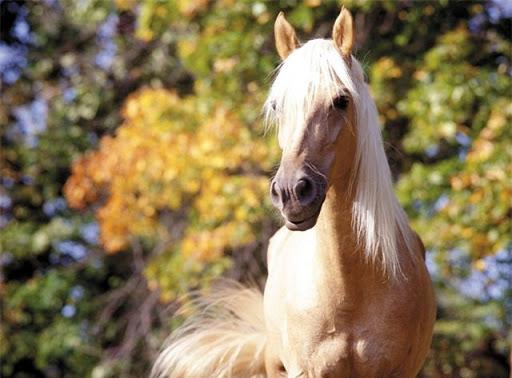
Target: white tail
x,y
225,339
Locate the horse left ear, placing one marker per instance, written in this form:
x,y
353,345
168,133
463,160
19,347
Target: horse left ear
x,y
343,33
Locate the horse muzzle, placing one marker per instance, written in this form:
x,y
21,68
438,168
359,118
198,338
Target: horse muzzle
x,y
299,195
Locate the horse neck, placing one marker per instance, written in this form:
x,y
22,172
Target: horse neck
x,y
339,251
337,241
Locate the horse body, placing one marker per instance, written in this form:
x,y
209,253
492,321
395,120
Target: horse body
x,y
348,293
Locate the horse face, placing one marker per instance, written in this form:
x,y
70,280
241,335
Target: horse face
x,y
311,108
309,151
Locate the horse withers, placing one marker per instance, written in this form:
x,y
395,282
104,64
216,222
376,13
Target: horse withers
x,y
348,293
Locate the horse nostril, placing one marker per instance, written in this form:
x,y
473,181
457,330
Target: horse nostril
x,y
273,190
304,191
274,194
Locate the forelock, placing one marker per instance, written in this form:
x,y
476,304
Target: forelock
x,y
312,75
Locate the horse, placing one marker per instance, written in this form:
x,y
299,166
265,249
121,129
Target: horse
x,y
348,293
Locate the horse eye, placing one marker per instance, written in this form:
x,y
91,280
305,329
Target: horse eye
x,y
340,102
273,105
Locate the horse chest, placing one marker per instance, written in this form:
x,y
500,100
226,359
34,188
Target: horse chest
x,y
333,341
318,329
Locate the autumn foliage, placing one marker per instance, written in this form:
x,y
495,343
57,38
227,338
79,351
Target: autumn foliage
x,y
202,168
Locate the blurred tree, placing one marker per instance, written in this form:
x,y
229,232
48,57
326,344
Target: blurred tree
x,y
190,178
178,189
65,69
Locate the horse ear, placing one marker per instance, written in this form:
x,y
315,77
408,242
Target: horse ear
x,y
286,39
343,33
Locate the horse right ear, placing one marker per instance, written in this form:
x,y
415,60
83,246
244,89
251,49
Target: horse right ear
x,y
286,39
343,33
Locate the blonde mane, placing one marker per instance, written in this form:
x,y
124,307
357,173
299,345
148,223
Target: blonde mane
x,y
316,72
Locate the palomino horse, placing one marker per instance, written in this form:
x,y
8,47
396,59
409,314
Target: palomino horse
x,y
348,294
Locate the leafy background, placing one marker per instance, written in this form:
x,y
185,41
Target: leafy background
x,y
134,167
